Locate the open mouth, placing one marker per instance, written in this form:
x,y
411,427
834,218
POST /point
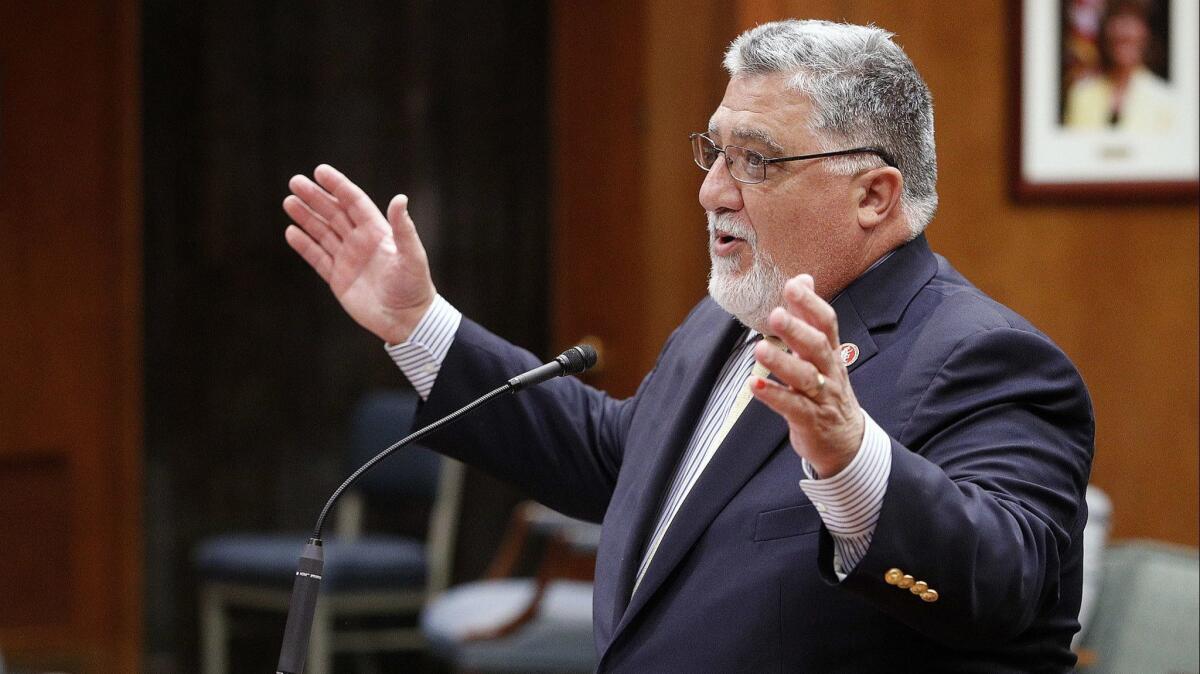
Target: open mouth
x,y
725,243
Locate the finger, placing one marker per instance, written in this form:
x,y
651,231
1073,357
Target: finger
x,y
312,224
783,400
310,250
403,229
350,197
322,203
804,340
791,370
802,300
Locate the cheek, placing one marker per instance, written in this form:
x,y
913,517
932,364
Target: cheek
x,y
782,219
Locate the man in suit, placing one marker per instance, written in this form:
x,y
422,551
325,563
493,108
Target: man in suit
x,y
892,479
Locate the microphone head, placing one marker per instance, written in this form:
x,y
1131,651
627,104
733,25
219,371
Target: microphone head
x,y
577,359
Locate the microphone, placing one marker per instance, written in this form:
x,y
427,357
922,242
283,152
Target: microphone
x,y
297,630
572,361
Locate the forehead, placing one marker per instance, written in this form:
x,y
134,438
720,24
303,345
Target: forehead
x,y
761,108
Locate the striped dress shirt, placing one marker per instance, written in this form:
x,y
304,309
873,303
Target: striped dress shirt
x,y
848,503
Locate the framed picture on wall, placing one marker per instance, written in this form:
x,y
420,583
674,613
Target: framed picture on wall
x,y
1107,99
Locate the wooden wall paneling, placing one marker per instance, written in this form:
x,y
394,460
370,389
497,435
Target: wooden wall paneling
x,y
71,418
595,91
684,85
630,81
750,13
37,519
125,489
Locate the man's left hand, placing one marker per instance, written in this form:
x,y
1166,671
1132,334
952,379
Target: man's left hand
x,y
813,392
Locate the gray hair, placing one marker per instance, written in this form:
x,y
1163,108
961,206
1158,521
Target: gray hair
x,y
864,91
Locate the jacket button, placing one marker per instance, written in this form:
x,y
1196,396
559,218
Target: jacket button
x,y
929,596
892,576
919,587
907,581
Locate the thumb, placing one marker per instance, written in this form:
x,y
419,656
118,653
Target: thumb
x,y
403,229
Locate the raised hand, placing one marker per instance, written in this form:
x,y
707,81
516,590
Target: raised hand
x,y
813,393
375,266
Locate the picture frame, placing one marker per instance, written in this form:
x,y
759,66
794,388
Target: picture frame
x,y
1106,100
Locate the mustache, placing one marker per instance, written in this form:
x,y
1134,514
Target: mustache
x,y
729,224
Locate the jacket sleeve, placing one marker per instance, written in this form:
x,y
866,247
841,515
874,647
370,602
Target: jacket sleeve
x,y
984,499
561,441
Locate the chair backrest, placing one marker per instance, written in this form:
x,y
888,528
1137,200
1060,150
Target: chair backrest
x,y
379,419
412,473
1148,609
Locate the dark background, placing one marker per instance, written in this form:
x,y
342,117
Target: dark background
x,y
251,365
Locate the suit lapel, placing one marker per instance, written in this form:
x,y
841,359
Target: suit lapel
x,y
880,296
696,373
758,433
853,330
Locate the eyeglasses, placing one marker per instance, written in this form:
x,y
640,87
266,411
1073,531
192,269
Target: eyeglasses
x,y
750,167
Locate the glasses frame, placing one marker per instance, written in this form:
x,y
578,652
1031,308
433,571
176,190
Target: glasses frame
x,y
882,154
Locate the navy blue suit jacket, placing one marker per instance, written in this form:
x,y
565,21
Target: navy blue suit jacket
x,y
992,439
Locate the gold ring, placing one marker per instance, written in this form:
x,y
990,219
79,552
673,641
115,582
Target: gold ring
x,y
820,384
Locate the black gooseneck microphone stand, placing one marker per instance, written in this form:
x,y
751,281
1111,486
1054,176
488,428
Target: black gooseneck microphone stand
x,y
303,604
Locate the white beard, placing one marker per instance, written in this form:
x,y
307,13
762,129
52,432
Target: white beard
x,y
749,295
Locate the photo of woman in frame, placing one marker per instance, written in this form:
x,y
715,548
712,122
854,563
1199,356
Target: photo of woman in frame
x,y
1115,72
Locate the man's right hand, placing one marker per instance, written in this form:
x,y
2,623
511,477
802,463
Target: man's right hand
x,y
375,266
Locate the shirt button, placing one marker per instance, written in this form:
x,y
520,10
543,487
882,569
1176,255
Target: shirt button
x,y
821,508
429,368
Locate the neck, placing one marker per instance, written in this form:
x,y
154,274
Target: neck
x,y
1120,76
878,245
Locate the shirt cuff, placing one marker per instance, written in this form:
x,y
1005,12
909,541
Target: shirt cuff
x,y
849,503
420,357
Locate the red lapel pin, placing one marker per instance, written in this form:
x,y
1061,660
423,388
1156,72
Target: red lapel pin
x,y
849,354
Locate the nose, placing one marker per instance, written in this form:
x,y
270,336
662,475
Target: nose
x,y
720,191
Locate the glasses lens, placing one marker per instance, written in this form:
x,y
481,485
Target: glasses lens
x,y
704,151
746,166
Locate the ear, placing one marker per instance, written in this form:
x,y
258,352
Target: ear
x,y
877,193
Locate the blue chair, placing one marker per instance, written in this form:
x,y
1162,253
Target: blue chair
x,y
364,574
527,625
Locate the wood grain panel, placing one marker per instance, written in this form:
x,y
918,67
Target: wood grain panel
x,y
684,85
71,297
37,521
629,252
596,89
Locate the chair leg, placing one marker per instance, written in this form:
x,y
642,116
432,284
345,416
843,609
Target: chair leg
x,y
320,643
214,633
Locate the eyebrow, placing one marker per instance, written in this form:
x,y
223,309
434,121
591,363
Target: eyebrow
x,y
748,133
